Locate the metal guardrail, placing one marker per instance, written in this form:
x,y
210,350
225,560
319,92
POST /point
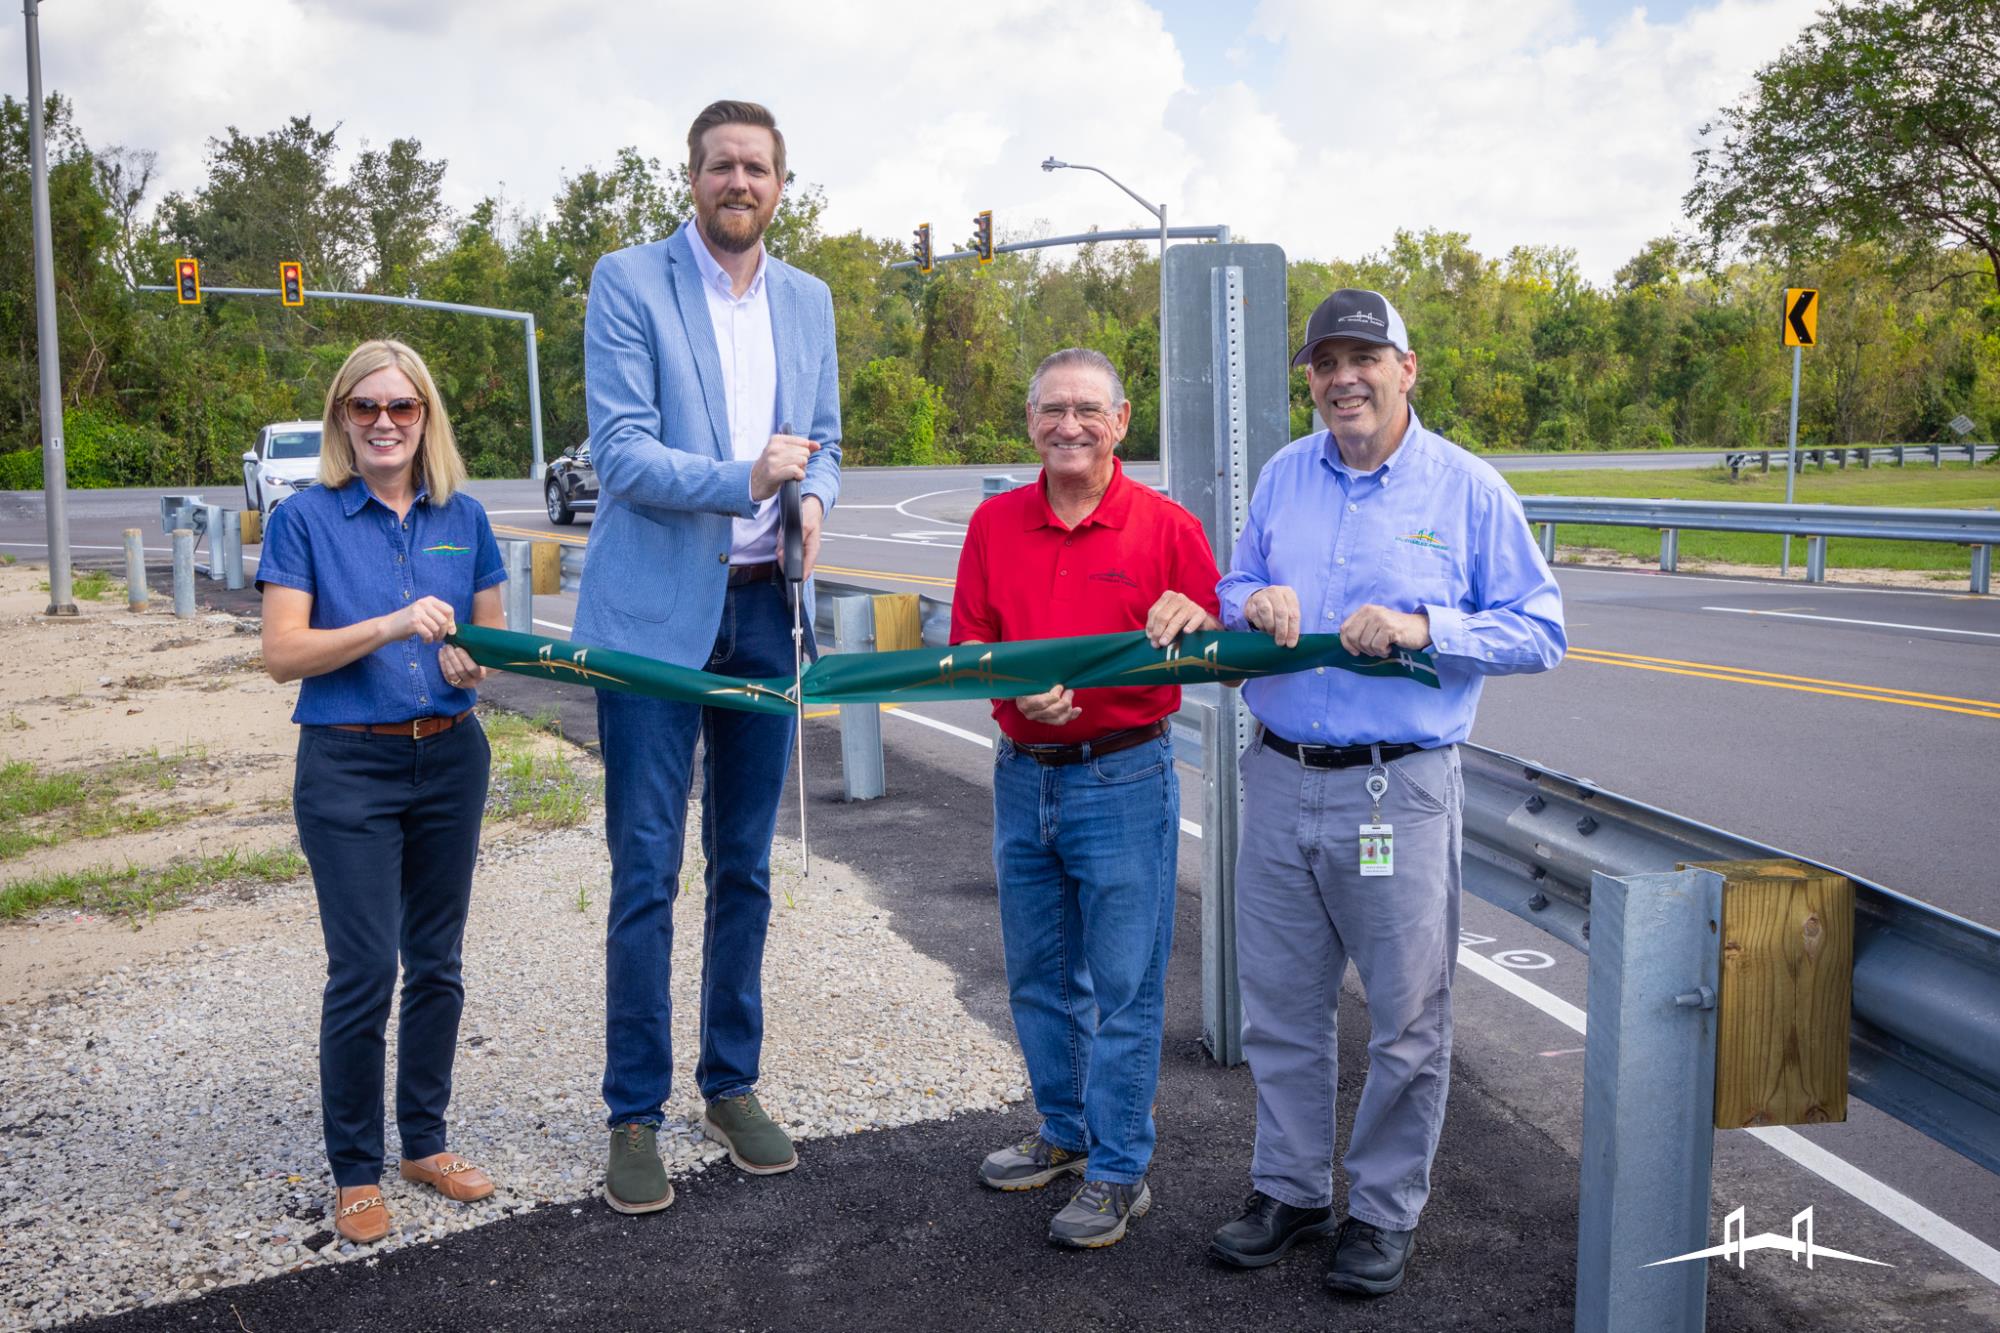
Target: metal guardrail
x,y
1864,454
1978,529
1924,1035
1926,1020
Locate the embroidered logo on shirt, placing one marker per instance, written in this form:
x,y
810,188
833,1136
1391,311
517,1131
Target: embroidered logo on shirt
x,y
446,548
1425,538
1118,576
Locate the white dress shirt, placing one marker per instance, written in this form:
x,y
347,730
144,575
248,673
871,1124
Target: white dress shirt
x,y
749,384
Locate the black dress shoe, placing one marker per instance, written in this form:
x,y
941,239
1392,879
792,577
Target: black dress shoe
x,y
1266,1230
1368,1260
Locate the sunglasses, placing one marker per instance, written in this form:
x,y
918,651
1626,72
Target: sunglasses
x,y
367,411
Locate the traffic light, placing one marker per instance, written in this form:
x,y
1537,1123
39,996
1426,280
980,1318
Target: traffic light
x,y
982,235
187,281
292,283
922,247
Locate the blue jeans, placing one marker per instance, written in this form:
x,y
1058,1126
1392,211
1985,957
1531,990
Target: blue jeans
x,y
390,827
648,749
1085,855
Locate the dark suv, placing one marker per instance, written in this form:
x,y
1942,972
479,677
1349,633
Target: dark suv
x,y
571,486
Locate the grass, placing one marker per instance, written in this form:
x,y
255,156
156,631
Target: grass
x,y
140,889
88,585
1910,487
543,791
40,809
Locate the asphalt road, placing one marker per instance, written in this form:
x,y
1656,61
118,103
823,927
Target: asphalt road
x,y
1854,726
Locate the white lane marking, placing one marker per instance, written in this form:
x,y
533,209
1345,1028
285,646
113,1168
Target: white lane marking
x,y
1899,1208
1816,588
892,541
491,512
925,518
143,550
555,624
1842,620
1893,1204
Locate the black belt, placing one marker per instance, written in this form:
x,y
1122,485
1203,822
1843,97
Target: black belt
x,y
1335,756
764,573
1111,742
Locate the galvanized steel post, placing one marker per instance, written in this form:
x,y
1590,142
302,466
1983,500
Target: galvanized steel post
x,y
1648,1101
232,548
1545,534
55,467
521,586
183,572
136,592
861,768
1816,559
1982,569
1670,550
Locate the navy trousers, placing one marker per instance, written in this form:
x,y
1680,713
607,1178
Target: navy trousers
x,y
390,826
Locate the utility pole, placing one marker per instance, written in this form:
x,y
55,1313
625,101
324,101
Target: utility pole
x,y
54,465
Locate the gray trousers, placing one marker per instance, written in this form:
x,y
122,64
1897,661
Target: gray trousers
x,y
1302,911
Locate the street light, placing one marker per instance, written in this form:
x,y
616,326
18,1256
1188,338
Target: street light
x,y
1159,211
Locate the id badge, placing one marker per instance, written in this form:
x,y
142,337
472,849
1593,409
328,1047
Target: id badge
x,y
1378,849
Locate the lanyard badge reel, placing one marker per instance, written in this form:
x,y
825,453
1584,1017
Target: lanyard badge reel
x,y
1378,846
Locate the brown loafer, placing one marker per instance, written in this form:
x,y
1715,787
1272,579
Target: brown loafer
x,y
360,1215
450,1175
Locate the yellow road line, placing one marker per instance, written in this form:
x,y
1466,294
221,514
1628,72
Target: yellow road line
x,y
1729,675
835,712
567,539
1806,680
927,580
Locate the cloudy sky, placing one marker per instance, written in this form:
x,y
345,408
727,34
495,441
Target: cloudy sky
x,y
1324,125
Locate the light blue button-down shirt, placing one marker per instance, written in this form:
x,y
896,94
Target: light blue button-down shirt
x,y
1432,529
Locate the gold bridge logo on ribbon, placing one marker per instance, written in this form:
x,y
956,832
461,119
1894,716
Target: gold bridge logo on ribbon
x,y
1208,665
546,662
750,689
983,673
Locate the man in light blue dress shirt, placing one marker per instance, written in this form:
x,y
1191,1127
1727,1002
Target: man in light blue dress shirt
x,y
1396,538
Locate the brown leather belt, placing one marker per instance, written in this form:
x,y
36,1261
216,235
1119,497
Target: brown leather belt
x,y
416,728
1111,742
742,574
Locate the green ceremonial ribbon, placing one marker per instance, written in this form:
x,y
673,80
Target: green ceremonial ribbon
x,y
963,671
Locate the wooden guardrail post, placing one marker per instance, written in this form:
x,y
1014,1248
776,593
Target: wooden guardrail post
x,y
899,621
546,559
1786,994
253,527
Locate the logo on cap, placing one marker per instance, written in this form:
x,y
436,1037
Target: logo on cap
x,y
1362,317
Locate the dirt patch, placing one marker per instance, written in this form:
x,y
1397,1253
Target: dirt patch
x,y
170,747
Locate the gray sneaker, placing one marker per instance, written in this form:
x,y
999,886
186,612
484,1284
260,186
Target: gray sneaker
x,y
635,1180
1029,1165
1096,1214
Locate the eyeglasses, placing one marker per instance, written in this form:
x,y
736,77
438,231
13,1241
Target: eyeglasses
x,y
1087,414
367,411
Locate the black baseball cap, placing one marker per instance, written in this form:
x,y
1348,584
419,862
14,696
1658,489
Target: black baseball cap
x,y
1357,313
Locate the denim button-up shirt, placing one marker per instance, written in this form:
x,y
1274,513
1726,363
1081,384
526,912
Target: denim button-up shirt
x,y
358,560
1432,529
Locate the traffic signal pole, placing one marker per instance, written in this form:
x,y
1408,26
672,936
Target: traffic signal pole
x,y
525,318
55,500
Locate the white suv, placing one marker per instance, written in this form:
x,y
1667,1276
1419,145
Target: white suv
x,y
285,460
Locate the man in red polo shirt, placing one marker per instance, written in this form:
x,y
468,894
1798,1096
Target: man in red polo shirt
x,y
1086,803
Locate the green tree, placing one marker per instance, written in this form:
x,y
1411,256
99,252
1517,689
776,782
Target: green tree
x,y
893,417
1879,124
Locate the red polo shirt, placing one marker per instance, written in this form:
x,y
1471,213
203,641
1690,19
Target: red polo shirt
x,y
1023,575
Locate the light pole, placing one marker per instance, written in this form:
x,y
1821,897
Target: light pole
x,y
54,498
1159,211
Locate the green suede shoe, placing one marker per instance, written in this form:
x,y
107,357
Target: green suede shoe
x,y
755,1142
636,1181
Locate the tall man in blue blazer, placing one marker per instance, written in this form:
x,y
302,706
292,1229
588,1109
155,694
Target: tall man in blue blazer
x,y
700,351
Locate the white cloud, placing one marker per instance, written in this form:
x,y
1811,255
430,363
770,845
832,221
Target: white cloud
x,y
1506,121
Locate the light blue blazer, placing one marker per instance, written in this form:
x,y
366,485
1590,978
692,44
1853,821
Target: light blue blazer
x,y
657,567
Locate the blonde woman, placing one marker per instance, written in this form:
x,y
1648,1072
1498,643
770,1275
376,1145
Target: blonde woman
x,y
363,576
